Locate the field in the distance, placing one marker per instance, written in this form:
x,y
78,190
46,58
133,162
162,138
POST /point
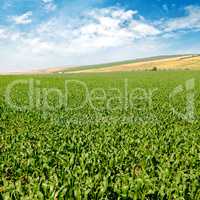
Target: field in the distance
x,y
115,136
186,62
170,62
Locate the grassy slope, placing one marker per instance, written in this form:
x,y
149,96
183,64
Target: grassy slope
x,y
119,63
160,62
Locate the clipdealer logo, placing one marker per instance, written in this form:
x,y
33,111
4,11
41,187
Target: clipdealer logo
x,y
39,97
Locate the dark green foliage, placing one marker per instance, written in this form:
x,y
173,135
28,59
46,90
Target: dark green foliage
x,y
154,69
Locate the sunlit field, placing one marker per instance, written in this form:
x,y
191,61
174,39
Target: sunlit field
x,y
123,135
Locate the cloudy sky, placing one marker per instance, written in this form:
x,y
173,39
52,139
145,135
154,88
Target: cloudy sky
x,y
36,34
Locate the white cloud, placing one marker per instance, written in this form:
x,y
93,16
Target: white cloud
x,y
165,7
3,34
8,35
102,28
190,21
112,27
49,5
23,19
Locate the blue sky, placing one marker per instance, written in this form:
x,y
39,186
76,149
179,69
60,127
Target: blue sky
x,y
36,34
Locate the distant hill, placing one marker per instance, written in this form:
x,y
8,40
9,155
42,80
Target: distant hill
x,y
119,63
169,62
165,62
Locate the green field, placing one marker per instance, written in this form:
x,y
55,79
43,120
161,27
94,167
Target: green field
x,y
124,135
